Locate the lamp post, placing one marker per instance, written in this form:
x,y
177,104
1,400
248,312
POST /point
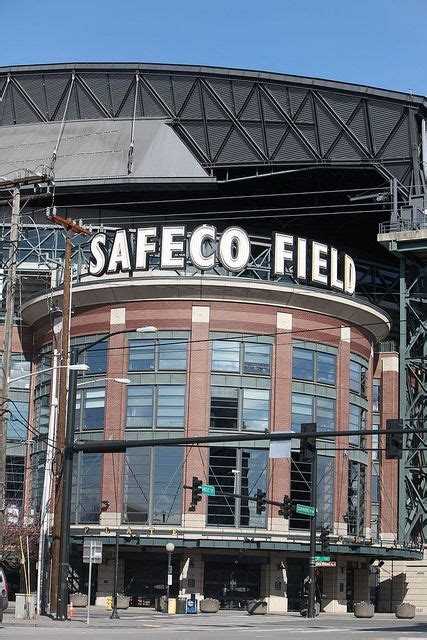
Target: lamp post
x,y
170,547
114,613
67,469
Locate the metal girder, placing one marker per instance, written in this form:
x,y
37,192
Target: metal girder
x,y
232,118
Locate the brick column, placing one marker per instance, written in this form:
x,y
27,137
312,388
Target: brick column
x,y
368,491
342,409
389,482
281,415
198,411
115,419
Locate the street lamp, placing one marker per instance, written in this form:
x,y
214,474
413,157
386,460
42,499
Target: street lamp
x,y
170,547
67,468
71,367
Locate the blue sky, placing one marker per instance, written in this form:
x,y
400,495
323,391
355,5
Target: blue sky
x,y
373,42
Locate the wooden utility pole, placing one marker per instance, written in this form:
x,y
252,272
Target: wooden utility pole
x,y
62,409
13,185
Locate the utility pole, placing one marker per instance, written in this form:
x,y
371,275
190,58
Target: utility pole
x,y
13,185
62,409
309,454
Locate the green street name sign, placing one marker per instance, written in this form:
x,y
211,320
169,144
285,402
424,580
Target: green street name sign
x,y
208,490
322,558
305,510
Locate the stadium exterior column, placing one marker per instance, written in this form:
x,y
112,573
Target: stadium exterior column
x,y
342,411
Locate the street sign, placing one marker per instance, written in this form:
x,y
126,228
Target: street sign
x,y
322,558
332,563
305,510
92,551
208,489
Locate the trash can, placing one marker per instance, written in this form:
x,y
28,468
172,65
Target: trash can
x,y
191,606
172,605
181,605
25,606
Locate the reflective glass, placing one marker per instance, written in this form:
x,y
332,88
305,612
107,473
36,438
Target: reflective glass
x,y
354,422
89,504
326,368
136,485
256,358
357,377
170,406
256,409
172,354
302,364
140,406
224,407
253,475
325,491
141,355
167,500
225,356
302,410
19,366
96,358
41,411
325,414
221,509
14,488
17,423
94,407
376,396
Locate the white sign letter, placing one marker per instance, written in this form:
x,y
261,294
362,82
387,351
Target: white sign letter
x,y
144,247
98,254
197,240
335,281
120,254
349,275
170,247
283,252
234,249
318,263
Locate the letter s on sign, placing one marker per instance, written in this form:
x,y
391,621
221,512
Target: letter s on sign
x,y
98,258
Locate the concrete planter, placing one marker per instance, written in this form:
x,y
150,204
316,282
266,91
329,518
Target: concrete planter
x,y
405,610
209,605
364,610
123,602
257,607
78,599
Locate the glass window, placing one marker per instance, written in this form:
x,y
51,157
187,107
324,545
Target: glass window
x,y
141,355
136,485
301,490
170,406
92,416
356,498
152,487
172,354
17,423
224,407
302,410
167,501
90,487
326,368
96,358
225,356
37,479
256,358
253,476
19,366
357,378
325,491
14,489
355,422
256,408
325,414
140,407
302,364
41,411
376,396
221,508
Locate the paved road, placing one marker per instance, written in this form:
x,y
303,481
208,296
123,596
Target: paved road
x,y
223,626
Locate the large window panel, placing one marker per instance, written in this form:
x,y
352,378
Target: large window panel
x,y
141,355
167,503
256,409
357,378
90,487
136,485
90,409
172,354
41,411
325,414
254,463
256,358
96,358
140,407
302,410
224,407
170,406
226,356
356,421
326,368
303,364
221,508
17,422
325,491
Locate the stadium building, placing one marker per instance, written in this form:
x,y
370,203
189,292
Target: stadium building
x,y
237,213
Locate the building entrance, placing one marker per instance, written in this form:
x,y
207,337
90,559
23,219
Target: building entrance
x,y
232,582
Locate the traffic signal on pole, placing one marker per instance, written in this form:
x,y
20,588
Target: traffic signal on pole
x,y
308,444
393,440
260,501
287,507
324,538
196,493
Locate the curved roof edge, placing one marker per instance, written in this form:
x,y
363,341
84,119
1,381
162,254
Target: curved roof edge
x,y
221,71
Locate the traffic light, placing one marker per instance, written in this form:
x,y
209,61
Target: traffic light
x,y
324,538
308,445
260,501
196,493
393,441
287,508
